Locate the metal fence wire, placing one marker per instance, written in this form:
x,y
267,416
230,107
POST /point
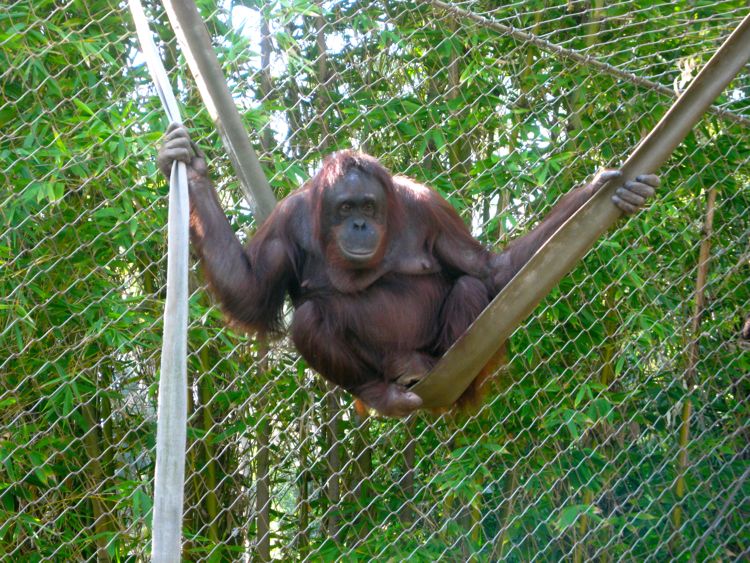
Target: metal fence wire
x,y
619,428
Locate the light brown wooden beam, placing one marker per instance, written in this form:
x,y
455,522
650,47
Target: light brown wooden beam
x,y
460,365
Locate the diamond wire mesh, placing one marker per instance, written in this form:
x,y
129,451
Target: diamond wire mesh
x,y
575,453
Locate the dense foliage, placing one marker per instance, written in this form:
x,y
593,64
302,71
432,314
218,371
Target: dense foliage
x,y
577,451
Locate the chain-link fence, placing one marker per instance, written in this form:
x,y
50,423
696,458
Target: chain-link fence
x,y
619,427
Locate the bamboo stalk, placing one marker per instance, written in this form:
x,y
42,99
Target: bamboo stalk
x,y
406,514
509,493
362,469
97,477
303,504
263,464
206,421
324,99
690,375
583,528
333,488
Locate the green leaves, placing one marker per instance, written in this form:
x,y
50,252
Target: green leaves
x,y
571,515
579,430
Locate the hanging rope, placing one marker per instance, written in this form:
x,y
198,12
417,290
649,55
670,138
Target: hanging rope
x,y
171,425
